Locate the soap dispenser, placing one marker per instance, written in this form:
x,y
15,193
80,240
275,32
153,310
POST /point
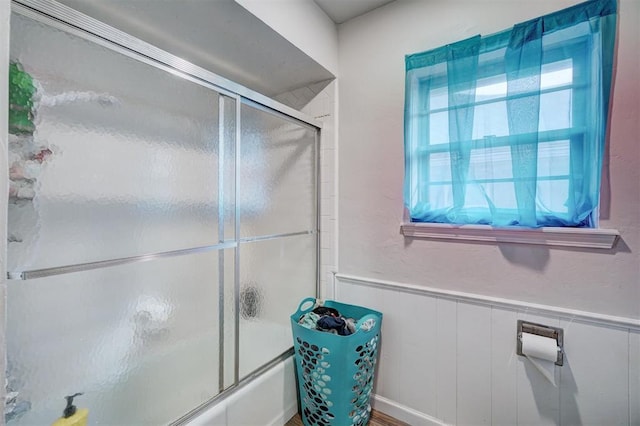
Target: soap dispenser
x,y
71,415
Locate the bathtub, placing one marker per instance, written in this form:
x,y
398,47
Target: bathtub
x,y
125,387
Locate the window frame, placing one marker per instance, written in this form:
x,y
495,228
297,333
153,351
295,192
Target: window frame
x,y
582,237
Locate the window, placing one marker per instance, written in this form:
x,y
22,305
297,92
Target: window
x,y
509,129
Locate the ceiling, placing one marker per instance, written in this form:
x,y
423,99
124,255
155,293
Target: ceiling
x,y
220,36
342,10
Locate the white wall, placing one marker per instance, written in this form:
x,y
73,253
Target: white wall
x,y
371,96
450,309
304,24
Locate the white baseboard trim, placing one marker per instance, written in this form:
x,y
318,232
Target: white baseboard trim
x,y
572,314
404,413
285,416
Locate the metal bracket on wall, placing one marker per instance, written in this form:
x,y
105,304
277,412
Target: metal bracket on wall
x,y
544,331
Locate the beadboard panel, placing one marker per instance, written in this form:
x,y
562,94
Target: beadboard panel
x,y
417,352
474,364
634,377
598,369
389,368
446,360
504,368
454,361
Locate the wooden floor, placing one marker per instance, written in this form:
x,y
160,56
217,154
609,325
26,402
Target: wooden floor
x,y
377,419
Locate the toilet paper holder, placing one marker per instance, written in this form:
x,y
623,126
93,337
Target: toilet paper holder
x,y
541,330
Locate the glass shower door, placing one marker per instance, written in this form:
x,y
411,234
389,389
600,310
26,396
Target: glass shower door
x,y
278,222
117,227
161,229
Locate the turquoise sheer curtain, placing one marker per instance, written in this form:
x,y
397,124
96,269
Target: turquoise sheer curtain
x,y
509,129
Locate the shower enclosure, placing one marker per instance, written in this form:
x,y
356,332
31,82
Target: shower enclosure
x,y
162,225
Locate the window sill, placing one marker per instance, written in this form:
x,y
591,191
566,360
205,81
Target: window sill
x,y
555,237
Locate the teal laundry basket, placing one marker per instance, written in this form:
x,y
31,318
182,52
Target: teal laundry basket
x,y
335,373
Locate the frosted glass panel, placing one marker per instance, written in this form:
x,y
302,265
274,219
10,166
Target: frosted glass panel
x,y
275,275
277,175
123,160
229,332
228,131
141,341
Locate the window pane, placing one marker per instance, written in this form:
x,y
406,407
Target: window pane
x,y
491,88
490,163
490,120
440,167
440,196
553,158
439,98
553,195
556,74
439,128
555,110
502,195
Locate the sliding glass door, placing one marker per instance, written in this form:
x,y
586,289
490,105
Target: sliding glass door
x,y
277,207
161,230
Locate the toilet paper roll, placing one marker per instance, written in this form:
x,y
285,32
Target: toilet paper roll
x,y
539,347
542,352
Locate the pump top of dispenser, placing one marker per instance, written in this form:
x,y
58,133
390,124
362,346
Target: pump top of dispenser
x,y
71,416
70,409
